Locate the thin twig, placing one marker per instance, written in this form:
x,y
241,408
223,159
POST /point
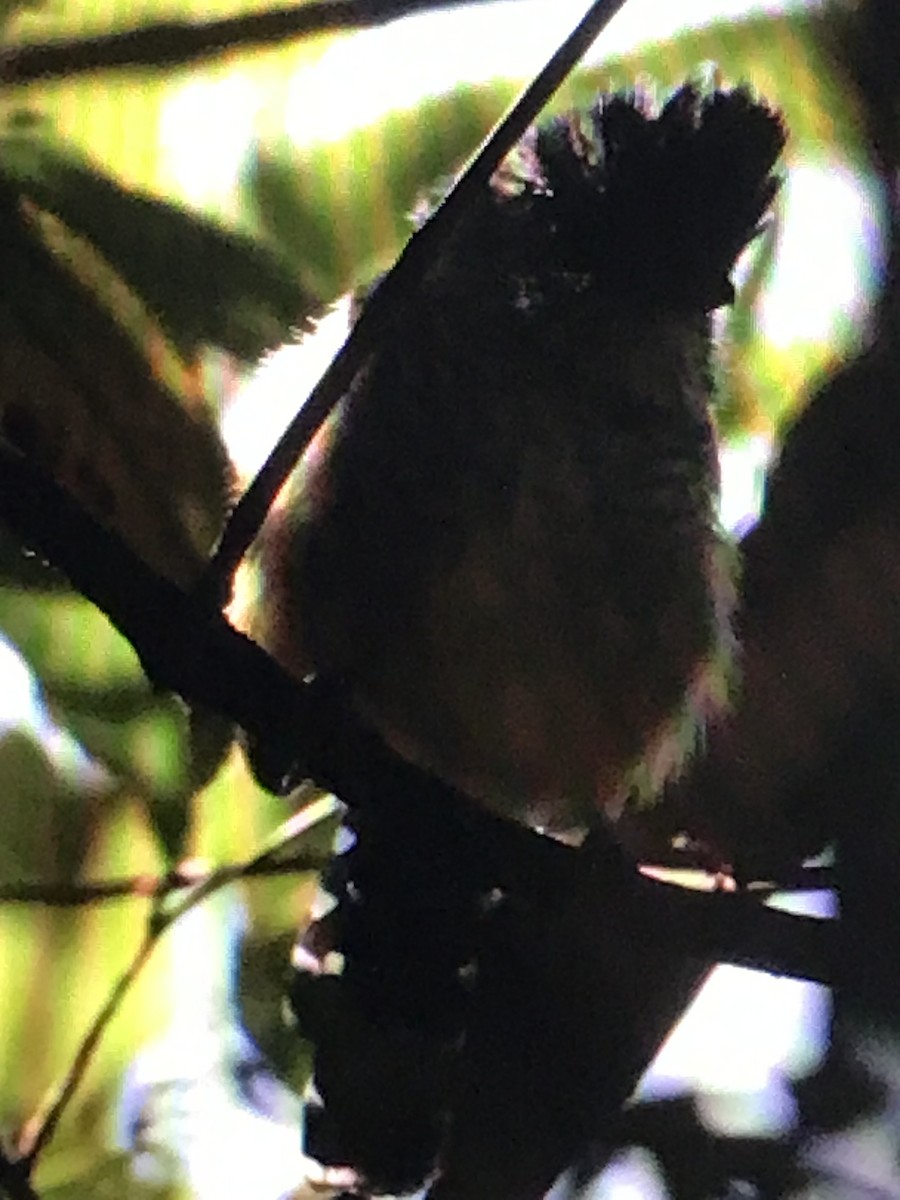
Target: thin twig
x,y
168,44
145,887
38,1131
799,879
158,887
271,860
249,514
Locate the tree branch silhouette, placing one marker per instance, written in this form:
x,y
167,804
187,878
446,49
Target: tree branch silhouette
x,y
311,730
174,896
167,44
143,887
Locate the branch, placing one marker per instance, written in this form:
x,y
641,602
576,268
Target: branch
x,y
400,284
153,887
192,651
149,887
177,43
311,728
197,653
720,926
39,1130
735,928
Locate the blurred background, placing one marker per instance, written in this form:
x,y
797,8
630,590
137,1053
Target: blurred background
x,y
318,148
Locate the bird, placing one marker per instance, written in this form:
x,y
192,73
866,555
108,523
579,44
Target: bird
x,y
504,543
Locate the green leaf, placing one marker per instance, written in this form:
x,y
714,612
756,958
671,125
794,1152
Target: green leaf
x,y
72,20
122,120
47,820
11,8
95,688
71,645
81,398
149,752
206,284
340,212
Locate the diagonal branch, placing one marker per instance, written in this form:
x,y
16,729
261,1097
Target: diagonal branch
x,y
37,1132
177,43
143,887
137,887
187,649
